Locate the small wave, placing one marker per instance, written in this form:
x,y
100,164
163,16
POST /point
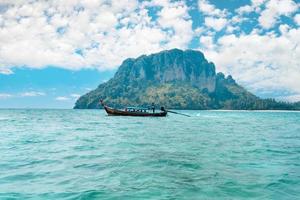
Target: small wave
x,y
4,118
82,129
92,194
22,177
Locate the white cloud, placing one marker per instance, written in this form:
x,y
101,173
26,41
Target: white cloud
x,y
216,19
215,23
274,9
284,28
62,98
175,18
257,3
255,6
297,19
5,95
88,33
207,42
231,29
245,9
32,94
262,63
210,10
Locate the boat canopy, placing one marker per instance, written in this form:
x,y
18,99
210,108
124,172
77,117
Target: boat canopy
x,y
136,108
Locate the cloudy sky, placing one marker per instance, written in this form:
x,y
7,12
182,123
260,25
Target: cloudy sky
x,y
53,51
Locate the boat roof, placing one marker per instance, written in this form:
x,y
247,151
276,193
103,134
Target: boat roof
x,y
137,108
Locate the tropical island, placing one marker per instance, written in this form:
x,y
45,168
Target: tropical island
x,y
176,79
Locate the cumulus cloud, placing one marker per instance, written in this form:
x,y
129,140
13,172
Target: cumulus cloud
x,y
255,6
267,59
274,9
83,33
215,18
210,9
245,9
207,42
297,19
263,63
257,3
215,23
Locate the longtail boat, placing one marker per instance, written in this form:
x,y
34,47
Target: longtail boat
x,y
133,111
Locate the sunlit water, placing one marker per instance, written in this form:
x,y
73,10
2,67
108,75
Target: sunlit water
x,y
84,154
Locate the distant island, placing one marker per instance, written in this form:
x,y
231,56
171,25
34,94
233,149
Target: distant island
x,y
176,79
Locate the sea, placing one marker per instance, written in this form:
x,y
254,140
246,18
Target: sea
x,y
85,154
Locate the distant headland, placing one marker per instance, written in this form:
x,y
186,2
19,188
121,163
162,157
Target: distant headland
x,y
176,79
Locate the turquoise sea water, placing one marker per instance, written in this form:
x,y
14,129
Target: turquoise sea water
x,y
84,154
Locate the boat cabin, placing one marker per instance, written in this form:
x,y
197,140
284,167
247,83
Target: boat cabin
x,y
136,109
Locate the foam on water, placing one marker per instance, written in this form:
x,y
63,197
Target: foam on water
x,y
84,154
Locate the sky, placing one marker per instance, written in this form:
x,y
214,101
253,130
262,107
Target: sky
x,y
51,52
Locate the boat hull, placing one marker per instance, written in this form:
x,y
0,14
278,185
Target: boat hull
x,y
116,112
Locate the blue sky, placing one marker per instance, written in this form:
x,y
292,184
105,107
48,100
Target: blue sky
x,y
52,52
49,87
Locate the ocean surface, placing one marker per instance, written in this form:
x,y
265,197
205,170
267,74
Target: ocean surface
x,y
84,154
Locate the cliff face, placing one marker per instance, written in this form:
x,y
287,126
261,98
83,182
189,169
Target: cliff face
x,y
170,66
174,78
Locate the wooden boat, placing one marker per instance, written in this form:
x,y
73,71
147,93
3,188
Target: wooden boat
x,y
131,111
